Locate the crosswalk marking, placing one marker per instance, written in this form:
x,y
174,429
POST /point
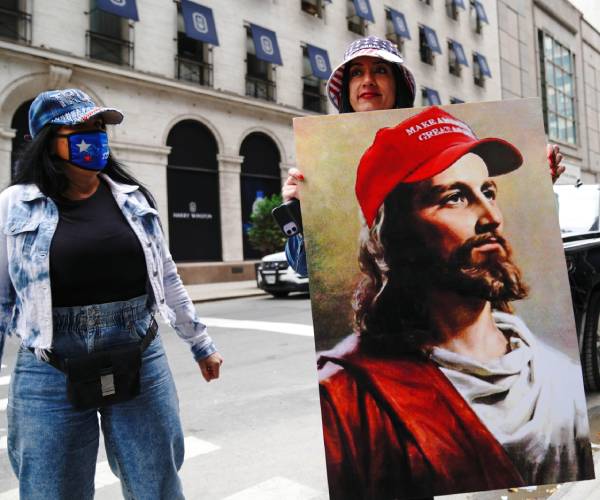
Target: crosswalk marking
x,y
3,404
3,443
5,380
193,448
268,326
277,488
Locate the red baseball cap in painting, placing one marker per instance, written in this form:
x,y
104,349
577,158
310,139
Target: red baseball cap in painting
x,y
419,148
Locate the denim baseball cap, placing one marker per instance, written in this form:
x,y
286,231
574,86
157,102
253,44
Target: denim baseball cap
x,y
67,107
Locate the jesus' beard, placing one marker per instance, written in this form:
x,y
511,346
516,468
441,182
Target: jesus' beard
x,y
493,277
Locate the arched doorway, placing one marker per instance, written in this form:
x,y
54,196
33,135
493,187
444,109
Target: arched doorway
x,y
193,193
260,177
20,122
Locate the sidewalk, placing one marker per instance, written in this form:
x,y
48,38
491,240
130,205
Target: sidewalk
x,y
218,291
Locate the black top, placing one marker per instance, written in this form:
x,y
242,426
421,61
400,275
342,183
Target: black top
x,y
95,257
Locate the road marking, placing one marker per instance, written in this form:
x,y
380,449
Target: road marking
x,y
10,495
275,489
3,404
193,448
5,380
3,443
267,326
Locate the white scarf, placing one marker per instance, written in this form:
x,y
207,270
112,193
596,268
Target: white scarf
x,y
532,401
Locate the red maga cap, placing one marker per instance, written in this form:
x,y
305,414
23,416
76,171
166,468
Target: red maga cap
x,y
419,148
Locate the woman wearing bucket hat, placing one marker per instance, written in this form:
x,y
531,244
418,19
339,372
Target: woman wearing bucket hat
x,y
83,268
371,77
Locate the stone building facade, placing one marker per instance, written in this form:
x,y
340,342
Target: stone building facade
x,y
548,49
200,131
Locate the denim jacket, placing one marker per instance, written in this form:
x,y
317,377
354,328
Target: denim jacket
x,y
28,220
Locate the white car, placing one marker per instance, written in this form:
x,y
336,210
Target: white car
x,y
275,276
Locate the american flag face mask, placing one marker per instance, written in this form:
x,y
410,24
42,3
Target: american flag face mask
x,y
371,46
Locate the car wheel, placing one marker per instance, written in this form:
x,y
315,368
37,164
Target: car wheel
x,y
591,344
279,294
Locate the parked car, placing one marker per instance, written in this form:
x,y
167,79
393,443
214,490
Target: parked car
x,y
275,276
579,210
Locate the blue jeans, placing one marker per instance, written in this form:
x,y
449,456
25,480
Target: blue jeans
x,y
53,448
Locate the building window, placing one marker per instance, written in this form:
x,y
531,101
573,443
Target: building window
x,y
558,89
452,9
480,69
193,62
15,23
391,32
260,75
454,65
313,88
478,15
108,37
430,97
426,2
356,24
312,7
428,44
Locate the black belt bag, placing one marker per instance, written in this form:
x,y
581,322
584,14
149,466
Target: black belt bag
x,y
104,378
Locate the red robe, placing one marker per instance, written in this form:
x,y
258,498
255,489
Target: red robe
x,y
397,428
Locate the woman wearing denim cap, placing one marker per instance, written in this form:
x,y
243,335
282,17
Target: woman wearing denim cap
x,y
371,77
83,268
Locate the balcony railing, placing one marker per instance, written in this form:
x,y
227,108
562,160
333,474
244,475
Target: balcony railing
x,y
193,71
261,88
109,49
15,25
312,98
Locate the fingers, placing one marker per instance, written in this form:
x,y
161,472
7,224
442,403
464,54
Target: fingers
x,y
211,367
290,187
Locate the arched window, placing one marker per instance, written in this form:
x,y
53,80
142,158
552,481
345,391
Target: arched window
x,y
193,193
260,177
20,122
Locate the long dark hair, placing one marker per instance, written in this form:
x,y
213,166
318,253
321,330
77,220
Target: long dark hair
x,y
35,165
391,315
403,94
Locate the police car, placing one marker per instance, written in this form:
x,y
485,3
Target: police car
x,y
275,276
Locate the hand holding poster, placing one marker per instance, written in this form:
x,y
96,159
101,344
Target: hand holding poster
x,y
439,290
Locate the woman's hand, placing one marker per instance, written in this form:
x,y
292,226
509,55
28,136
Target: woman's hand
x,y
211,366
290,187
554,159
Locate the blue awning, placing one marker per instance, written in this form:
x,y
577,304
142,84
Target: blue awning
x,y
399,22
265,44
433,98
199,22
459,3
363,9
480,10
482,62
432,39
319,62
457,48
123,8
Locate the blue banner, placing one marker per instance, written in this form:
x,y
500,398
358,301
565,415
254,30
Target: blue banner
x,y
433,98
399,22
432,39
265,44
457,48
123,8
363,9
319,62
199,22
481,12
482,61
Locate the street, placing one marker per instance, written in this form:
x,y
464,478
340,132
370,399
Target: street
x,y
253,434
256,432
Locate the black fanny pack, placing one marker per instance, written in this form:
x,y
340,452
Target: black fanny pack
x,y
104,378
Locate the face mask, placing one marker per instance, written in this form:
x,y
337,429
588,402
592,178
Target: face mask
x,y
88,150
